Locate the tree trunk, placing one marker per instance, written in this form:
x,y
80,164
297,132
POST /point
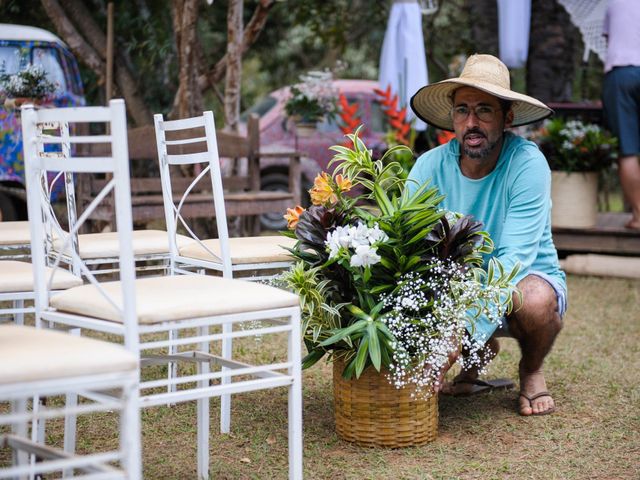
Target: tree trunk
x,y
90,45
188,99
484,25
552,44
249,36
234,65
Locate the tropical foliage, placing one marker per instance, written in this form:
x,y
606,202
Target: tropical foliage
x,y
389,279
400,132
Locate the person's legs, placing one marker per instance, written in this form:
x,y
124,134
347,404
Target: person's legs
x,y
534,324
621,102
629,173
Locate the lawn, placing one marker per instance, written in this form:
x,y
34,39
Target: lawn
x,y
594,434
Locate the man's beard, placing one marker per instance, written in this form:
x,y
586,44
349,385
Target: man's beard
x,y
480,154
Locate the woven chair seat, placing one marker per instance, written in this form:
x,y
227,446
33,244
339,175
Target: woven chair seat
x,y
16,276
244,250
101,245
14,233
161,299
28,354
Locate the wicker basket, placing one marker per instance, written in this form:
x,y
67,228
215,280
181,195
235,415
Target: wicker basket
x,y
369,411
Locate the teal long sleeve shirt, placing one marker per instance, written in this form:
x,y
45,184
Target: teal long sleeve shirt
x,y
513,202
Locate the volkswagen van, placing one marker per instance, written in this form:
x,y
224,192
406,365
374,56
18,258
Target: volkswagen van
x,y
20,46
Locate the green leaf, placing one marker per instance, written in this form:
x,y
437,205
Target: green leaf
x,y
312,358
361,356
344,332
374,345
349,369
382,200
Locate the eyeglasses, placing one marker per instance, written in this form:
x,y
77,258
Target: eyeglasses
x,y
485,113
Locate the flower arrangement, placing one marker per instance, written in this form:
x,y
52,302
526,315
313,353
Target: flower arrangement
x,y
312,98
30,82
388,279
573,146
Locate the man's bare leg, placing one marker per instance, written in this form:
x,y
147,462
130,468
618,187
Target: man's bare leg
x,y
535,325
629,173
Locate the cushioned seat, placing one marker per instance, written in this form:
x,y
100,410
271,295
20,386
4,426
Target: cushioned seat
x,y
160,299
14,233
106,245
17,276
243,249
28,354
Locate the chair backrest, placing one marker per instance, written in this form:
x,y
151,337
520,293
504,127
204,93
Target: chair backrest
x,y
191,141
50,148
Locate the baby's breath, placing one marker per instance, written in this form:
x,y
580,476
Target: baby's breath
x,y
428,318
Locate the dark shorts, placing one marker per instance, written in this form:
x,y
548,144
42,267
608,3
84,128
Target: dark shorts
x,y
561,298
621,103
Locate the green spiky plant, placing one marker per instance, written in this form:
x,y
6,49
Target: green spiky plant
x,y
347,293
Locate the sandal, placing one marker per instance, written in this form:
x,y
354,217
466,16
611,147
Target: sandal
x,y
531,399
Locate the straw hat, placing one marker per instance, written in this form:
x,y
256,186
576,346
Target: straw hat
x,y
484,72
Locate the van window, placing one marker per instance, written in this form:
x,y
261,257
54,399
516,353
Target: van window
x,y
48,58
73,73
10,59
261,108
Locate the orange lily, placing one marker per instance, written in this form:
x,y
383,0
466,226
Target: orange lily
x,y
343,183
322,191
292,216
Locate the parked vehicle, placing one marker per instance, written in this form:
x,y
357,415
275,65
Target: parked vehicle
x,y
21,45
278,133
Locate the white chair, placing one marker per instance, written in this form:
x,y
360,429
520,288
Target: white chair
x,y
99,250
14,240
203,309
41,363
17,287
192,141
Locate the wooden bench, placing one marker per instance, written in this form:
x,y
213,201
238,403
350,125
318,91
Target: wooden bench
x,y
243,196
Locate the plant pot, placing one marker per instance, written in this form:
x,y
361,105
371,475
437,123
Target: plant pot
x,y
369,411
17,102
574,197
305,129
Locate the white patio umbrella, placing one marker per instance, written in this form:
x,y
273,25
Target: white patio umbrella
x,y
403,63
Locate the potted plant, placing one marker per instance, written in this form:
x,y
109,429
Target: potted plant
x,y
389,283
576,153
311,100
28,85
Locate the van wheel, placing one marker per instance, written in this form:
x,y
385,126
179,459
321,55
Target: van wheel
x,y
7,208
274,182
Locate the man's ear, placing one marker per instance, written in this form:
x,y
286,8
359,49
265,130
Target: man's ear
x,y
508,120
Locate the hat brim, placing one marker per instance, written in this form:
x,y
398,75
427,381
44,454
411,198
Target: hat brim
x,y
432,103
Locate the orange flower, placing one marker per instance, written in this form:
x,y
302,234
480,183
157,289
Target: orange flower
x,y
292,216
343,183
322,191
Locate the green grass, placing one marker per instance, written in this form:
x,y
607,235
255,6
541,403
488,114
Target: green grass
x,y
595,433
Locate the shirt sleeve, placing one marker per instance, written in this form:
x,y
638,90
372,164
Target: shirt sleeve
x,y
528,208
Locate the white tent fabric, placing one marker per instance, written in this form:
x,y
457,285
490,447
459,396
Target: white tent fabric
x,y
588,16
514,18
403,63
